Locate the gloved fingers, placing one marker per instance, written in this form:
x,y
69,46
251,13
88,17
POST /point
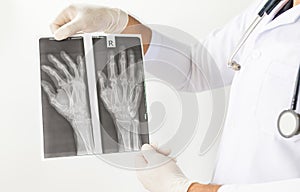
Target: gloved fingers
x,y
70,63
131,67
152,156
69,29
80,66
140,161
111,67
53,74
60,66
49,90
63,17
163,151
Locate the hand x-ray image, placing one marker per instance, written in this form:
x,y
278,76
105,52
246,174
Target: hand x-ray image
x,y
121,93
70,126
67,124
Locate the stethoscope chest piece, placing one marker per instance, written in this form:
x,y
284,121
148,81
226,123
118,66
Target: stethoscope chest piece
x,y
288,123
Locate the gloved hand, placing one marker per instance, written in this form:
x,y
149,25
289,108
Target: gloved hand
x,y
121,95
167,177
70,99
88,18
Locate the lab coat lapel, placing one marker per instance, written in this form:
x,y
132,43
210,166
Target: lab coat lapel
x,y
288,17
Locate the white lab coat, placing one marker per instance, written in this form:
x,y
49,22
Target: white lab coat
x,y
252,153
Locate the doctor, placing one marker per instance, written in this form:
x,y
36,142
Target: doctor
x,y
253,156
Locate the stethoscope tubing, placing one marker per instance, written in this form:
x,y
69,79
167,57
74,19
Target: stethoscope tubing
x,y
266,10
296,92
244,38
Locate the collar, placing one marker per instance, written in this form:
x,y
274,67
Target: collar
x,y
288,17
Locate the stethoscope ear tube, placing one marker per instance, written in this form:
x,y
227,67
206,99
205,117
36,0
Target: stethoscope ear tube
x,y
269,8
266,10
233,64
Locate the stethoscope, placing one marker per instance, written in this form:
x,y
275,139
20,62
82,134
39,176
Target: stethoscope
x,y
288,122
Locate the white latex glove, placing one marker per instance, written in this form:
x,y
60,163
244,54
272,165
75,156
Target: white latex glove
x,y
82,18
167,177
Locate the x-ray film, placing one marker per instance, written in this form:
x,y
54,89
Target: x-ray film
x,y
121,93
93,95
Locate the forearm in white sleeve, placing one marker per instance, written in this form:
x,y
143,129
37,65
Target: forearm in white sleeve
x,y
280,186
201,65
168,59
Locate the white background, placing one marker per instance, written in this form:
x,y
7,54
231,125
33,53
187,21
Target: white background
x,y
22,22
